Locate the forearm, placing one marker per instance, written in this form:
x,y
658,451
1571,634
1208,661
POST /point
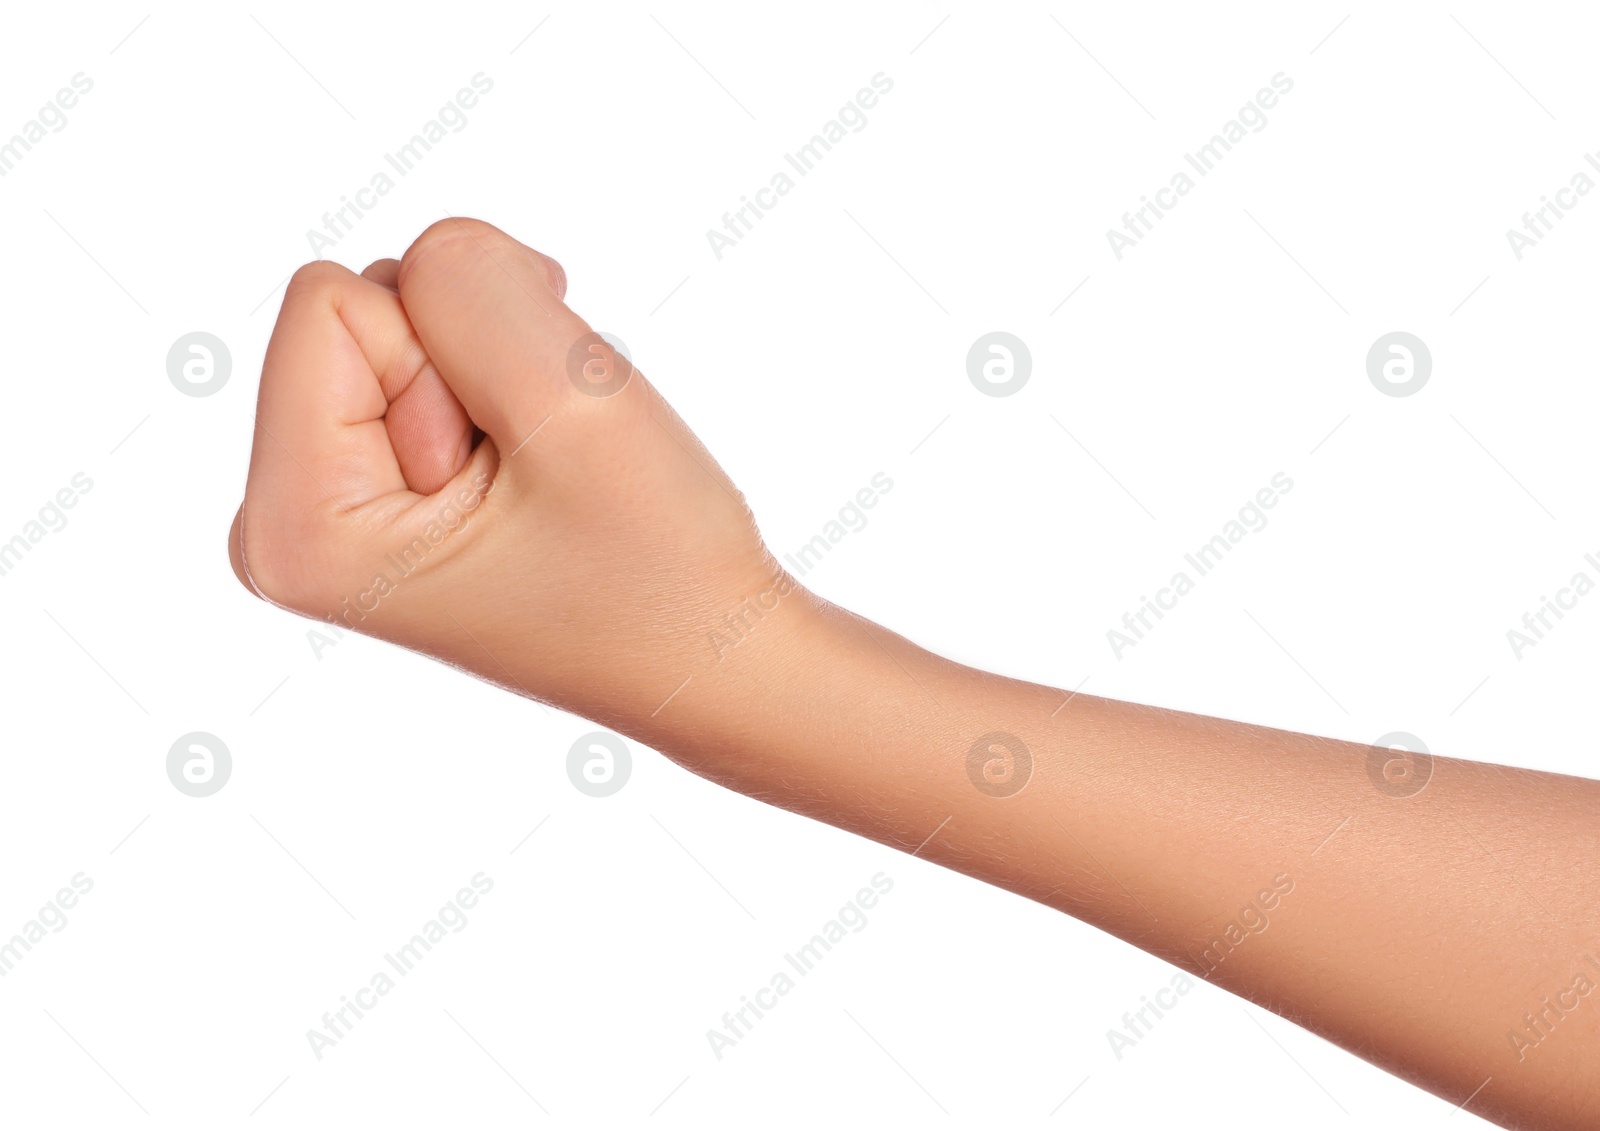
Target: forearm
x,y
514,499
1422,932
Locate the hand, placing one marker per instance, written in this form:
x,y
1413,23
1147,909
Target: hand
x,y
449,458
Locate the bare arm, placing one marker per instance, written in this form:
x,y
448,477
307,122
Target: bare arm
x,y
1450,935
449,458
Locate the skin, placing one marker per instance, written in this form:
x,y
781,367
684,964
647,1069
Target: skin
x,y
431,467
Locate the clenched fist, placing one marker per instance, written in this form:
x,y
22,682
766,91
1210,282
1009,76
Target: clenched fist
x,y
449,458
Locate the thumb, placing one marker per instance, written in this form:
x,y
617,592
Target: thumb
x,y
489,312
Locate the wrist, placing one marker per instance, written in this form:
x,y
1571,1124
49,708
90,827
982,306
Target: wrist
x,y
750,677
815,709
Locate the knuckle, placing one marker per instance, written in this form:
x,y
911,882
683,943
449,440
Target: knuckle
x,y
317,279
453,242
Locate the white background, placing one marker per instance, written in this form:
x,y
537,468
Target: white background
x,y
369,784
